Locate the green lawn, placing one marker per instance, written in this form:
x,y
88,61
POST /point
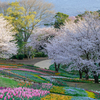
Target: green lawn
x,y
88,86
6,82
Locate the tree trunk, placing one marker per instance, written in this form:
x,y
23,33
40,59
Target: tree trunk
x,y
86,73
80,73
56,66
96,78
86,76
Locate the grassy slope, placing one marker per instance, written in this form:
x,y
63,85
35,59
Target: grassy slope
x,y
6,82
88,86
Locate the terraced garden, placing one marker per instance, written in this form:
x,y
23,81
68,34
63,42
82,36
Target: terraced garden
x,y
27,82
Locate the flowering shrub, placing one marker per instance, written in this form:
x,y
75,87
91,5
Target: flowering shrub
x,y
56,97
21,93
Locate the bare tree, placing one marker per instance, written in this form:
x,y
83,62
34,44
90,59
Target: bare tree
x,y
44,10
3,7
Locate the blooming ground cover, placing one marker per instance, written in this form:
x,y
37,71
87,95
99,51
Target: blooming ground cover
x,y
44,93
21,93
75,93
42,89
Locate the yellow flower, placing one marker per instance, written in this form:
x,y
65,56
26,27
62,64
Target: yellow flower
x,y
56,97
37,77
90,94
57,73
57,89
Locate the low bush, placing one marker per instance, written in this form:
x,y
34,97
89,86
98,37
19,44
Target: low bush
x,y
40,54
19,56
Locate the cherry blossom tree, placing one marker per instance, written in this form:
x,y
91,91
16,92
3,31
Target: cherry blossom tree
x,y
78,44
41,36
7,45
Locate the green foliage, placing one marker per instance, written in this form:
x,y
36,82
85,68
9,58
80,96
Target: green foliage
x,y
18,56
81,16
30,53
60,18
23,22
40,54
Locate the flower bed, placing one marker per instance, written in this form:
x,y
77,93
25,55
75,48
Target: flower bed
x,y
63,97
9,74
4,66
38,69
29,70
75,92
21,93
30,75
76,80
42,86
10,64
56,97
2,88
83,98
63,73
58,89
53,81
97,95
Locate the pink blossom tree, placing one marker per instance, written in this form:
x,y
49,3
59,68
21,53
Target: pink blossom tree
x,y
78,44
7,45
41,36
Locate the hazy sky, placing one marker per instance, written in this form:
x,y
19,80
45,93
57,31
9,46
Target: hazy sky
x,y
73,7
9,0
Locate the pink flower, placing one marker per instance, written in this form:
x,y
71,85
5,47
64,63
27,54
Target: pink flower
x,y
5,98
11,96
1,96
8,96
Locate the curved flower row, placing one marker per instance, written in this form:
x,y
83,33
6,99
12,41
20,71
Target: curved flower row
x,y
3,66
42,86
78,92
23,69
63,97
21,93
11,64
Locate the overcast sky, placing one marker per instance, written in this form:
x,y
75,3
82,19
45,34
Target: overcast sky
x,y
73,7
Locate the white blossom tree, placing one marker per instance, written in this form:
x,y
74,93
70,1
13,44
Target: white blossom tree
x,y
7,45
78,44
41,36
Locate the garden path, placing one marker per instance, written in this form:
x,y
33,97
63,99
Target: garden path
x,y
42,62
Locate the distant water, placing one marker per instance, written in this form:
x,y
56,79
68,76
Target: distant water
x,y
73,7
